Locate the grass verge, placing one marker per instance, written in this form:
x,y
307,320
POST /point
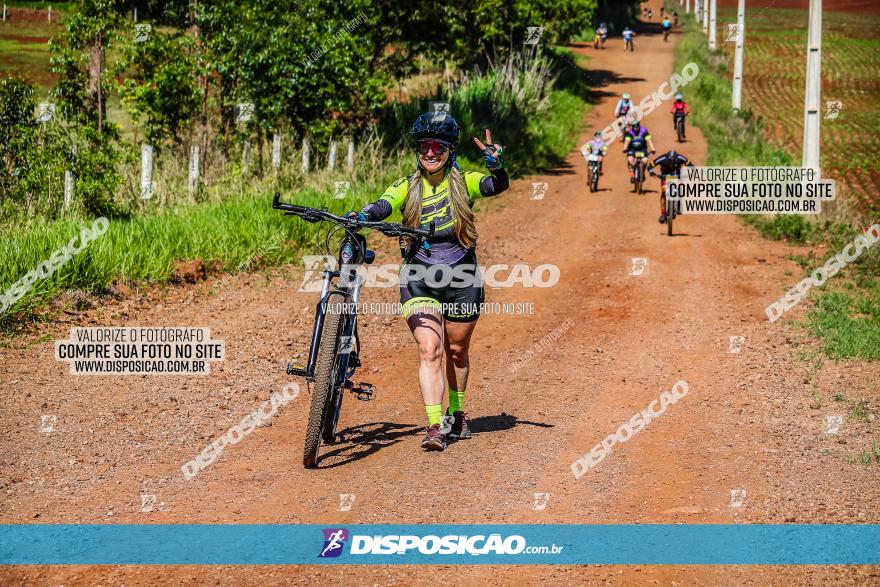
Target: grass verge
x,y
845,314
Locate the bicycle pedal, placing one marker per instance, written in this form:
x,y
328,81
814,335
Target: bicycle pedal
x,y
363,391
295,370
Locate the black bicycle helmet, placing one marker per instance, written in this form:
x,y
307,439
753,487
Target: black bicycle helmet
x,y
436,125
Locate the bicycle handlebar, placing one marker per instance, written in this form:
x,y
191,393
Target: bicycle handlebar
x,y
315,215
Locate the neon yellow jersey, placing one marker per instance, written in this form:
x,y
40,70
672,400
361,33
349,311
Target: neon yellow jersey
x,y
435,200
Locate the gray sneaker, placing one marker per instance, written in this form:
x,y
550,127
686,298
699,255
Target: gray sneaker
x,y
446,425
458,426
434,438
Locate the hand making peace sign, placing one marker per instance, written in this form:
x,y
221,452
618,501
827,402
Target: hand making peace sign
x,y
491,150
481,146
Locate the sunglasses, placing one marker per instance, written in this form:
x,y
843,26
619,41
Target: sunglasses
x,y
436,146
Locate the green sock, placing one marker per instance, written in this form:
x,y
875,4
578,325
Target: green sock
x,y
435,414
456,401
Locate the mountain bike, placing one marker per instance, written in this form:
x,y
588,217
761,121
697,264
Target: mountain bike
x,y
673,206
593,173
678,121
334,352
628,45
639,171
665,35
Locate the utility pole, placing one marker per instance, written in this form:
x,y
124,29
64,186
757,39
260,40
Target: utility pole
x,y
812,94
705,7
713,44
738,55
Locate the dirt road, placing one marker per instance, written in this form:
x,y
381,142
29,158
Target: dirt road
x,y
746,423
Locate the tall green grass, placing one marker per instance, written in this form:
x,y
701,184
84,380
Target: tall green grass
x,y
734,138
146,249
845,316
519,98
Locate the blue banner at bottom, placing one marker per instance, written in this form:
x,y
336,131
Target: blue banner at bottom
x,y
513,544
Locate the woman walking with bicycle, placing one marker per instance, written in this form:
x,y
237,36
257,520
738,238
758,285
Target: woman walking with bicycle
x,y
441,313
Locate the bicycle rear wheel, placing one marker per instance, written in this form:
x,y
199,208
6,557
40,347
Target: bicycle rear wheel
x,y
323,409
679,129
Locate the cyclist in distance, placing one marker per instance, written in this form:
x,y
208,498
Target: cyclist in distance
x,y
601,35
597,147
440,191
628,35
679,110
666,25
624,105
670,164
636,140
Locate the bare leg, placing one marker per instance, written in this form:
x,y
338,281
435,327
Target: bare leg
x,y
663,196
458,341
427,329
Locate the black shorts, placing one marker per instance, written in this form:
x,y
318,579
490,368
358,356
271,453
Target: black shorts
x,y
458,303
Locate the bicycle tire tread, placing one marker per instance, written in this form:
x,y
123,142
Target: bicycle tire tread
x,y
323,381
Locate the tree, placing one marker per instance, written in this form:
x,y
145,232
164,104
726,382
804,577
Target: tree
x,y
34,157
483,30
160,85
79,58
17,129
301,67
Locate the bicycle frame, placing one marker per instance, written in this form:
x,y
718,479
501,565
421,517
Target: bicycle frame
x,y
340,347
593,177
353,253
667,179
678,120
639,164
351,257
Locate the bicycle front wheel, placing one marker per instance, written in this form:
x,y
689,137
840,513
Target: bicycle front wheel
x,y
320,415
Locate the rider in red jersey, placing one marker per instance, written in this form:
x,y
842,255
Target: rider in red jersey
x,y
680,109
